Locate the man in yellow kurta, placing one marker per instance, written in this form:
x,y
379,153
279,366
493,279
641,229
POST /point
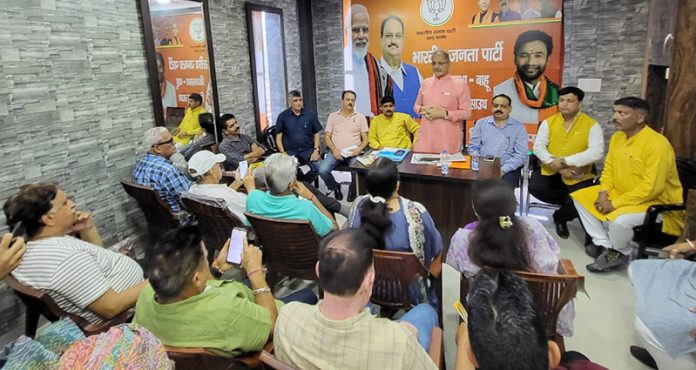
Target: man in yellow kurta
x,y
640,170
189,126
392,129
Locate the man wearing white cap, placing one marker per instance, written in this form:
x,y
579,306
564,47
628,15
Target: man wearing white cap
x,y
206,169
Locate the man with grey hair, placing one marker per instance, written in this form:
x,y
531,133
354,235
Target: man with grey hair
x,y
156,170
362,70
298,134
406,78
281,200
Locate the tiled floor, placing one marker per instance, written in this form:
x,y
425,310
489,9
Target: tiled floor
x,y
603,322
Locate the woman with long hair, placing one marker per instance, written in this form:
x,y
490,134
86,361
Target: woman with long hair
x,y
406,225
501,240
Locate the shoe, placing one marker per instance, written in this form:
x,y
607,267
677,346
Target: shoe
x,y
641,354
608,260
351,196
337,194
593,250
562,230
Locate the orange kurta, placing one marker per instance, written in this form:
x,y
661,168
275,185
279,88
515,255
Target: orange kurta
x,y
453,95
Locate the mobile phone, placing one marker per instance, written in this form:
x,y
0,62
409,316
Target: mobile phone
x,y
489,158
234,251
459,307
243,167
399,152
18,230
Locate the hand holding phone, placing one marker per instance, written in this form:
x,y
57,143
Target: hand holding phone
x,y
243,167
236,248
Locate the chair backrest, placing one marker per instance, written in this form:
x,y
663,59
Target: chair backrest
x,y
158,214
200,359
174,116
214,218
550,293
290,247
43,303
686,168
271,361
394,273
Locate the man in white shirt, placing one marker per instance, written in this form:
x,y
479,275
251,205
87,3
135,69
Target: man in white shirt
x,y
567,144
362,71
206,168
406,78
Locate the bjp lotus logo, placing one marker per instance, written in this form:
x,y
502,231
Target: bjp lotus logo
x,y
436,12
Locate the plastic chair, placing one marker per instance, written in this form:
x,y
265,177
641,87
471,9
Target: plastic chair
x,y
158,214
550,293
38,302
290,247
394,273
188,358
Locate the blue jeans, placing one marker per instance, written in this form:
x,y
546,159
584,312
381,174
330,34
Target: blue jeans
x,y
328,165
424,318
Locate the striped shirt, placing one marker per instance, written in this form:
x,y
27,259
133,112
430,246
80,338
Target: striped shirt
x,y
305,338
75,273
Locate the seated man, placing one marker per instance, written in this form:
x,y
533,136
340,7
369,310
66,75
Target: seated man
x,y
206,168
78,274
504,137
346,137
184,306
340,332
189,126
298,134
640,170
392,129
11,252
567,144
236,146
157,171
505,332
280,202
207,137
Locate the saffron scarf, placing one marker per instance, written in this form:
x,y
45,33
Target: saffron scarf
x,y
375,83
548,93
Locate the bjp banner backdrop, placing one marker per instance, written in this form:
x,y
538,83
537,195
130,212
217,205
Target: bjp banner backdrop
x,y
182,58
511,47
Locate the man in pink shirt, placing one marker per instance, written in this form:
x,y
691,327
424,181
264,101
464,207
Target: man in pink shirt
x,y
443,103
345,137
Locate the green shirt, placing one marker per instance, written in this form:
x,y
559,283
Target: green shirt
x,y
288,207
223,319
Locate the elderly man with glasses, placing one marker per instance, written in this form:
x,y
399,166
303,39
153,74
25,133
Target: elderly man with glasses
x,y
157,171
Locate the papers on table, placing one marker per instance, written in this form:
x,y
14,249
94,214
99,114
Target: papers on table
x,y
434,159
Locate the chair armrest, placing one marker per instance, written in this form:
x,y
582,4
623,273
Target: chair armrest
x,y
656,209
566,267
273,362
435,350
123,317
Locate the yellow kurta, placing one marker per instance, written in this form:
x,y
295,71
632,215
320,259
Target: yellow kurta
x,y
393,133
638,172
189,125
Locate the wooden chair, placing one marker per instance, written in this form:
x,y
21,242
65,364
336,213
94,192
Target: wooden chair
x,y
214,218
550,293
436,353
158,214
174,116
38,302
290,247
187,358
394,273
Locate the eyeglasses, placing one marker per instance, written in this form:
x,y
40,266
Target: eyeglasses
x,y
170,141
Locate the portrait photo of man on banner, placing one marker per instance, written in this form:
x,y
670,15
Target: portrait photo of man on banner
x,y
510,47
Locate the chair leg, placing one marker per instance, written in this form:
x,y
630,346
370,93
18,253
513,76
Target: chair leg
x,y
31,322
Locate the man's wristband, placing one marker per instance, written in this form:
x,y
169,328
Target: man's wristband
x,y
316,149
252,272
261,290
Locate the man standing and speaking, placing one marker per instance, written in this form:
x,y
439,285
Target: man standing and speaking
x,y
444,104
407,80
362,73
530,90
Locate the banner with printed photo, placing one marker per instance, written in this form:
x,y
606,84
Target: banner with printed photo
x,y
388,44
182,58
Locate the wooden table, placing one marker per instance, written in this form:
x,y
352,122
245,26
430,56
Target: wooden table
x,y
447,197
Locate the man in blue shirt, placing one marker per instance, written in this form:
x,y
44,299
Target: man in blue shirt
x,y
157,171
298,134
502,136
